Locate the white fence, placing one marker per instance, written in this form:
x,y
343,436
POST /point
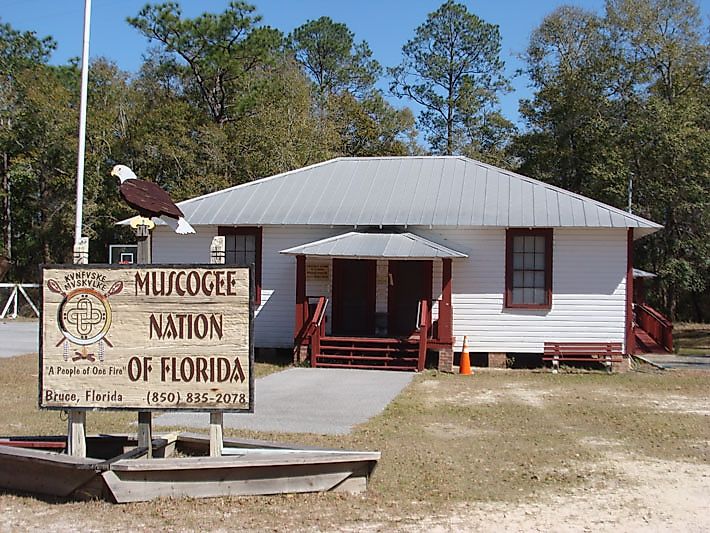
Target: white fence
x,y
17,289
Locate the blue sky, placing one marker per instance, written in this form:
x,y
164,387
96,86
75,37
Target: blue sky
x,y
385,24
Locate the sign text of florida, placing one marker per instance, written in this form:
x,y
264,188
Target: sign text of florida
x,y
146,338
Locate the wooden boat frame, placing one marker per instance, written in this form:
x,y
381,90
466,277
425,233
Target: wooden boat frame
x,y
180,467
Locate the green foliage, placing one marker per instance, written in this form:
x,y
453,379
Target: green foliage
x,y
217,51
624,96
452,68
331,58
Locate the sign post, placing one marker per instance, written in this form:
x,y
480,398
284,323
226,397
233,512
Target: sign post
x,y
76,420
217,257
144,257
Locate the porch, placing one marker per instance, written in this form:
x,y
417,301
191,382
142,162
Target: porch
x,y
373,300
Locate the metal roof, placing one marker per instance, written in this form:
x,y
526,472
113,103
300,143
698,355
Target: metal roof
x,y
374,246
406,191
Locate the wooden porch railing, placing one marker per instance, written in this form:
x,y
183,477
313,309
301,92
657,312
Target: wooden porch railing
x,y
424,326
305,334
658,327
317,328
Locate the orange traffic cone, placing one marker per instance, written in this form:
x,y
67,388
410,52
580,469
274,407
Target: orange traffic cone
x,y
465,365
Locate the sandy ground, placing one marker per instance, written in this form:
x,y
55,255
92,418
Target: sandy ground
x,y
649,497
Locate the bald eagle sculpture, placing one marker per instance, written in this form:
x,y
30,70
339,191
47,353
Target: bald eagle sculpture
x,y
150,200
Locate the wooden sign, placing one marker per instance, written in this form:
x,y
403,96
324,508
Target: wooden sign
x,y
168,337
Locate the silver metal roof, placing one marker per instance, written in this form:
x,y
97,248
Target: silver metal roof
x,y
374,246
406,191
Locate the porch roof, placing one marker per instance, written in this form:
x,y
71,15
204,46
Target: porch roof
x,y
638,273
376,246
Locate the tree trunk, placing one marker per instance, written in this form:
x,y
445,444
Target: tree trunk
x,y
7,225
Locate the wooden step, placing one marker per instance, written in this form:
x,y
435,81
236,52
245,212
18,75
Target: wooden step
x,y
374,349
645,343
368,367
365,357
367,340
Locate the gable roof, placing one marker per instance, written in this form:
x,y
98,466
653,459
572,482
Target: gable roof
x,y
376,245
406,191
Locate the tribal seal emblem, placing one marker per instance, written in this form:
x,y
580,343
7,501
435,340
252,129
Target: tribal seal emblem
x,y
84,318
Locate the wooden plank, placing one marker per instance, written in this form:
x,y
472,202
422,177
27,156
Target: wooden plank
x,y
198,441
34,444
43,472
365,357
367,367
369,349
245,461
277,481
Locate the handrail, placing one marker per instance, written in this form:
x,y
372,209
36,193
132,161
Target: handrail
x,y
316,330
312,329
658,327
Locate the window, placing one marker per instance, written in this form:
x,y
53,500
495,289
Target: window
x,y
242,247
528,268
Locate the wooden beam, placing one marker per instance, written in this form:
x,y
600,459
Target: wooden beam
x,y
301,301
145,418
145,432
216,434
76,433
446,312
630,340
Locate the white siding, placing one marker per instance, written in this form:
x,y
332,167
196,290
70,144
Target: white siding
x,y
274,319
589,283
588,290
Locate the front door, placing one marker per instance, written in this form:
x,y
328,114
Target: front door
x,y
354,288
409,283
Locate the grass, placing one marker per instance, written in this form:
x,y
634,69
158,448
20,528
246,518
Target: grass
x,y
445,441
691,338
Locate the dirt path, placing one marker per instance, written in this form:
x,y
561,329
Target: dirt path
x,y
648,496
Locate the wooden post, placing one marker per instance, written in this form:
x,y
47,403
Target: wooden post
x,y
145,418
301,301
445,310
423,334
216,434
630,339
217,257
76,424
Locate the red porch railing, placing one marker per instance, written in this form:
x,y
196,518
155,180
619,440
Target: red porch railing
x,y
316,314
658,327
317,328
396,353
424,325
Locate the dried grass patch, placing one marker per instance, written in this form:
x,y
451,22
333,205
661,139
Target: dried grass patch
x,y
497,449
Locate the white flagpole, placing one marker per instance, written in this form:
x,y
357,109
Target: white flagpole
x,y
76,423
82,124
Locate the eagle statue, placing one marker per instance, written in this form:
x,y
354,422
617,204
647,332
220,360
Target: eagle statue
x,y
150,200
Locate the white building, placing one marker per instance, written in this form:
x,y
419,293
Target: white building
x,y
510,262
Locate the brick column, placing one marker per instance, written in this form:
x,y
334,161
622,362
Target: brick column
x,y
446,360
